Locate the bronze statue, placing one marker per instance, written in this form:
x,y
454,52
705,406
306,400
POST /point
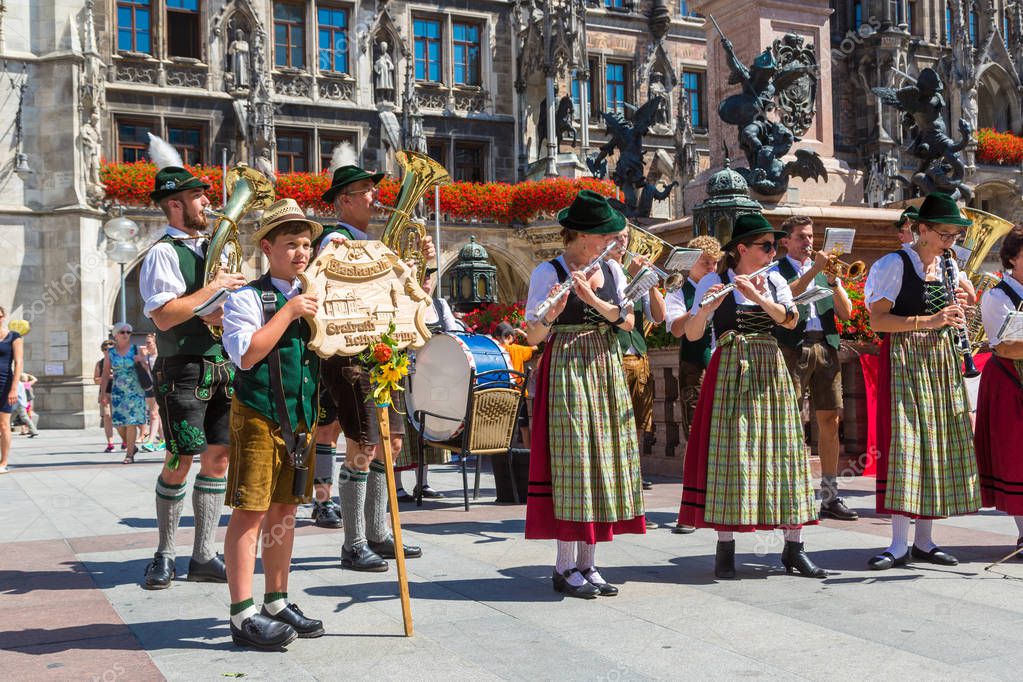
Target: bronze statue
x,y
941,167
765,84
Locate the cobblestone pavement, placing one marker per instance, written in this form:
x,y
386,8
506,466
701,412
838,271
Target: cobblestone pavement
x,y
78,529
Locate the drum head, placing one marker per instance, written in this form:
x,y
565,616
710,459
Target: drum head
x,y
440,385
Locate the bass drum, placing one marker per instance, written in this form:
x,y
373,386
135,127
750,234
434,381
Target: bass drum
x,y
439,379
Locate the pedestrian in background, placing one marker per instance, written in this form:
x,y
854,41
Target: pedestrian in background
x,y
151,440
22,412
11,361
127,398
104,404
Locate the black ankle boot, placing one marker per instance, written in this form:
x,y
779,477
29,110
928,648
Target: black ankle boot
x,y
724,560
794,558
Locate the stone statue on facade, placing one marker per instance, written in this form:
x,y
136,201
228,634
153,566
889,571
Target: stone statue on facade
x,y
629,172
941,167
564,121
91,151
657,91
686,157
384,70
411,116
788,88
265,164
239,57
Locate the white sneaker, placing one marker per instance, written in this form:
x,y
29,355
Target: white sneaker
x,y
3,469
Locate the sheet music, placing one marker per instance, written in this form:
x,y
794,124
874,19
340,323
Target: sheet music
x,y
812,295
841,237
962,255
1012,327
681,259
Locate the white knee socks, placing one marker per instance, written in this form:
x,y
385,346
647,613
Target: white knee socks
x,y
566,562
900,536
922,536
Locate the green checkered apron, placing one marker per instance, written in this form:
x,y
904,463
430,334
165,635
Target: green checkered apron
x,y
591,430
932,470
758,473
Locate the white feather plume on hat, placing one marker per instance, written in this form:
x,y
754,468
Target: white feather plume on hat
x,y
343,155
162,154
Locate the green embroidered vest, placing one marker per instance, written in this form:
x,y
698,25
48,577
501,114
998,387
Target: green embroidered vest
x,y
696,352
634,338
191,337
793,338
300,370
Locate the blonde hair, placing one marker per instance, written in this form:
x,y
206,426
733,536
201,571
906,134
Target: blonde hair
x,y
709,245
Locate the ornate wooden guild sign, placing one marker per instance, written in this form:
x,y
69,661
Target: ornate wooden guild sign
x,y
363,287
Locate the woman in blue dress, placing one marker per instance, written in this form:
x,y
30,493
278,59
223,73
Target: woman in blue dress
x,y
11,365
127,398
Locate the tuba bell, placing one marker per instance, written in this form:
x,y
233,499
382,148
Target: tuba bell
x,y
983,233
403,233
656,251
247,189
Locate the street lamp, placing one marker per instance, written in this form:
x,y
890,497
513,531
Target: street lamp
x,y
120,232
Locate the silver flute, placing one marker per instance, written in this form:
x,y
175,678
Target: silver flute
x,y
730,287
566,286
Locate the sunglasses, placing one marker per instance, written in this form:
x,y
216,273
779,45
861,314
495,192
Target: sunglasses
x,y
124,331
767,247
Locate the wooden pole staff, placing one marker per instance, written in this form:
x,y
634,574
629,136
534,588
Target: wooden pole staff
x,y
392,496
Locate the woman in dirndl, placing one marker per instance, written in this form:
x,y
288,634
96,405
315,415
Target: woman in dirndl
x,y
1000,403
746,467
926,467
584,477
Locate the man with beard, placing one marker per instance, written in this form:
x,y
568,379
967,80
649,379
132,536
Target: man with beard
x,y
192,374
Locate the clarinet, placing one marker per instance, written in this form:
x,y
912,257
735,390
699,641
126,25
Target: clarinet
x,y
962,335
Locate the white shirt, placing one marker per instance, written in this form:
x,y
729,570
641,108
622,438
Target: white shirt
x,y
358,234
784,293
884,281
160,277
545,277
675,304
995,306
813,321
243,317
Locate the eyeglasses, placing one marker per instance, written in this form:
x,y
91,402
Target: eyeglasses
x,y
767,247
361,191
946,236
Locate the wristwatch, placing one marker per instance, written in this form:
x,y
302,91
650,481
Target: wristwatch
x,y
621,317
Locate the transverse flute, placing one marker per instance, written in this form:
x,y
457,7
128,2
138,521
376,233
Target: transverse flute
x,y
566,286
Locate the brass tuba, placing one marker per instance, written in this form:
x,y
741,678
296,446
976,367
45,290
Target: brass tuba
x,y
984,232
247,189
403,233
656,251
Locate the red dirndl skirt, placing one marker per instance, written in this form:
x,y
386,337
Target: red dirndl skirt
x,y
541,523
694,471
997,437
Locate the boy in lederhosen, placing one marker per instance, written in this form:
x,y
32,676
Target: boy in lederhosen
x,y
272,421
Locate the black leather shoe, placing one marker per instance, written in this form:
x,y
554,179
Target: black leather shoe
x,y
326,516
159,573
795,558
428,493
606,589
386,549
886,560
585,591
1019,545
403,496
212,571
838,510
724,560
681,529
647,485
307,628
261,632
362,558
935,556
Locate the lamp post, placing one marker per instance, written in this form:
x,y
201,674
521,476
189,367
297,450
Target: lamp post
x,y
120,232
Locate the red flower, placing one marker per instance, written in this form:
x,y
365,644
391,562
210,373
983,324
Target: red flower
x,y
381,353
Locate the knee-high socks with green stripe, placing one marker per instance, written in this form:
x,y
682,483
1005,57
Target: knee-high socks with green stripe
x,y
364,504
207,503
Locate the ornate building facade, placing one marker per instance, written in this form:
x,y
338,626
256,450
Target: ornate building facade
x,y
497,90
